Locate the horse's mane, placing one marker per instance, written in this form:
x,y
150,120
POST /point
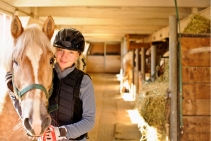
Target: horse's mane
x,y
127,56
32,35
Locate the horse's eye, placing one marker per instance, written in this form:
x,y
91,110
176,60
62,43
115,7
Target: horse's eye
x,y
52,60
14,61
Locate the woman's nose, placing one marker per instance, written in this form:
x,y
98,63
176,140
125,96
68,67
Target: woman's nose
x,y
64,54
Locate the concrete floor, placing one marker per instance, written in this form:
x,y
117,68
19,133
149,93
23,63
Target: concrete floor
x,y
112,119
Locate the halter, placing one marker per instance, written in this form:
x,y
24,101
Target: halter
x,y
36,86
31,87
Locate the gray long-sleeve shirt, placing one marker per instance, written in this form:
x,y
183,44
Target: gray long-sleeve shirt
x,y
89,109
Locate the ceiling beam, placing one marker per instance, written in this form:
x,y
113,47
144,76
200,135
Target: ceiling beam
x,y
107,21
6,8
112,3
123,12
115,31
113,28
139,45
90,38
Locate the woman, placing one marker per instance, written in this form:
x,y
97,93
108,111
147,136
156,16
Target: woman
x,y
73,89
72,103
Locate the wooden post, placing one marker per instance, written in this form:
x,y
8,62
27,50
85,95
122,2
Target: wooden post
x,y
122,51
173,76
143,63
125,49
104,44
133,73
136,70
153,62
128,41
121,68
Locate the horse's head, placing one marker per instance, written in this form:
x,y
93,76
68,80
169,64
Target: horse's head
x,y
32,72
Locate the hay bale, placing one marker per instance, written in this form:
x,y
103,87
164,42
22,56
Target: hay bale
x,y
198,24
151,103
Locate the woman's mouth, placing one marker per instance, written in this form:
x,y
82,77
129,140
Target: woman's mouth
x,y
63,62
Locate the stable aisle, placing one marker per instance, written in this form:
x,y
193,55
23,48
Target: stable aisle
x,y
112,120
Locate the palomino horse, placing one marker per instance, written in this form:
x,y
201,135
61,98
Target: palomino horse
x,y
31,63
127,70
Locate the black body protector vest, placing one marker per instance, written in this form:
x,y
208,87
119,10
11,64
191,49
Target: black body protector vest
x,y
66,96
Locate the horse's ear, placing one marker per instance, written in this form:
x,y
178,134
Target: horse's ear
x,y
16,27
48,27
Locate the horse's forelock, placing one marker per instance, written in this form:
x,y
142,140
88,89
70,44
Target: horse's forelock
x,y
32,35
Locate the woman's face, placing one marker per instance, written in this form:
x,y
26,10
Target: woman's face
x,y
65,58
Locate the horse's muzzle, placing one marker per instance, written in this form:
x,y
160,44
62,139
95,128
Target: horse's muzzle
x,y
34,128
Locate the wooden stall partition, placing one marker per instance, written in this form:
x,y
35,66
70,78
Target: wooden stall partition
x,y
95,64
112,57
95,58
112,63
196,77
104,58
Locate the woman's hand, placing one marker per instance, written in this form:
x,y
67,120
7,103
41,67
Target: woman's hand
x,y
54,134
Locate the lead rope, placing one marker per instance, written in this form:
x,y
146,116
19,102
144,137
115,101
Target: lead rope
x,y
180,70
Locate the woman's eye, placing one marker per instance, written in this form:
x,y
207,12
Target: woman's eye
x,y
59,49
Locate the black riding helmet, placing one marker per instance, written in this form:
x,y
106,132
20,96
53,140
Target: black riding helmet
x,y
69,38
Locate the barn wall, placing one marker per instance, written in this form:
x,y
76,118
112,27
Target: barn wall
x,y
196,70
104,58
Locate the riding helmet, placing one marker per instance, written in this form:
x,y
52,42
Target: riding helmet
x,y
69,38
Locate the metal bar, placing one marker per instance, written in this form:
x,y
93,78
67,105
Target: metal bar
x,y
153,62
137,70
143,63
173,76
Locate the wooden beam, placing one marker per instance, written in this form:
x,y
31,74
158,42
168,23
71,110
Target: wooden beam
x,y
112,3
128,41
139,45
119,27
102,39
129,29
107,21
112,12
137,36
6,8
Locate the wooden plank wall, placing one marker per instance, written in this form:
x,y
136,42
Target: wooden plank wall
x,y
196,75
112,63
104,58
95,63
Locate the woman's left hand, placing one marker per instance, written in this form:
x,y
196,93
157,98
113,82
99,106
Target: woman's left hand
x,y
53,134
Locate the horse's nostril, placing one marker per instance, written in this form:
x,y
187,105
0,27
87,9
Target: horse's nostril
x,y
27,124
46,122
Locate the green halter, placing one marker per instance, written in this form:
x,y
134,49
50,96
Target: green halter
x,y
31,87
36,86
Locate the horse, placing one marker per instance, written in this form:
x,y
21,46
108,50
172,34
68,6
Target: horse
x,y
30,59
127,71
